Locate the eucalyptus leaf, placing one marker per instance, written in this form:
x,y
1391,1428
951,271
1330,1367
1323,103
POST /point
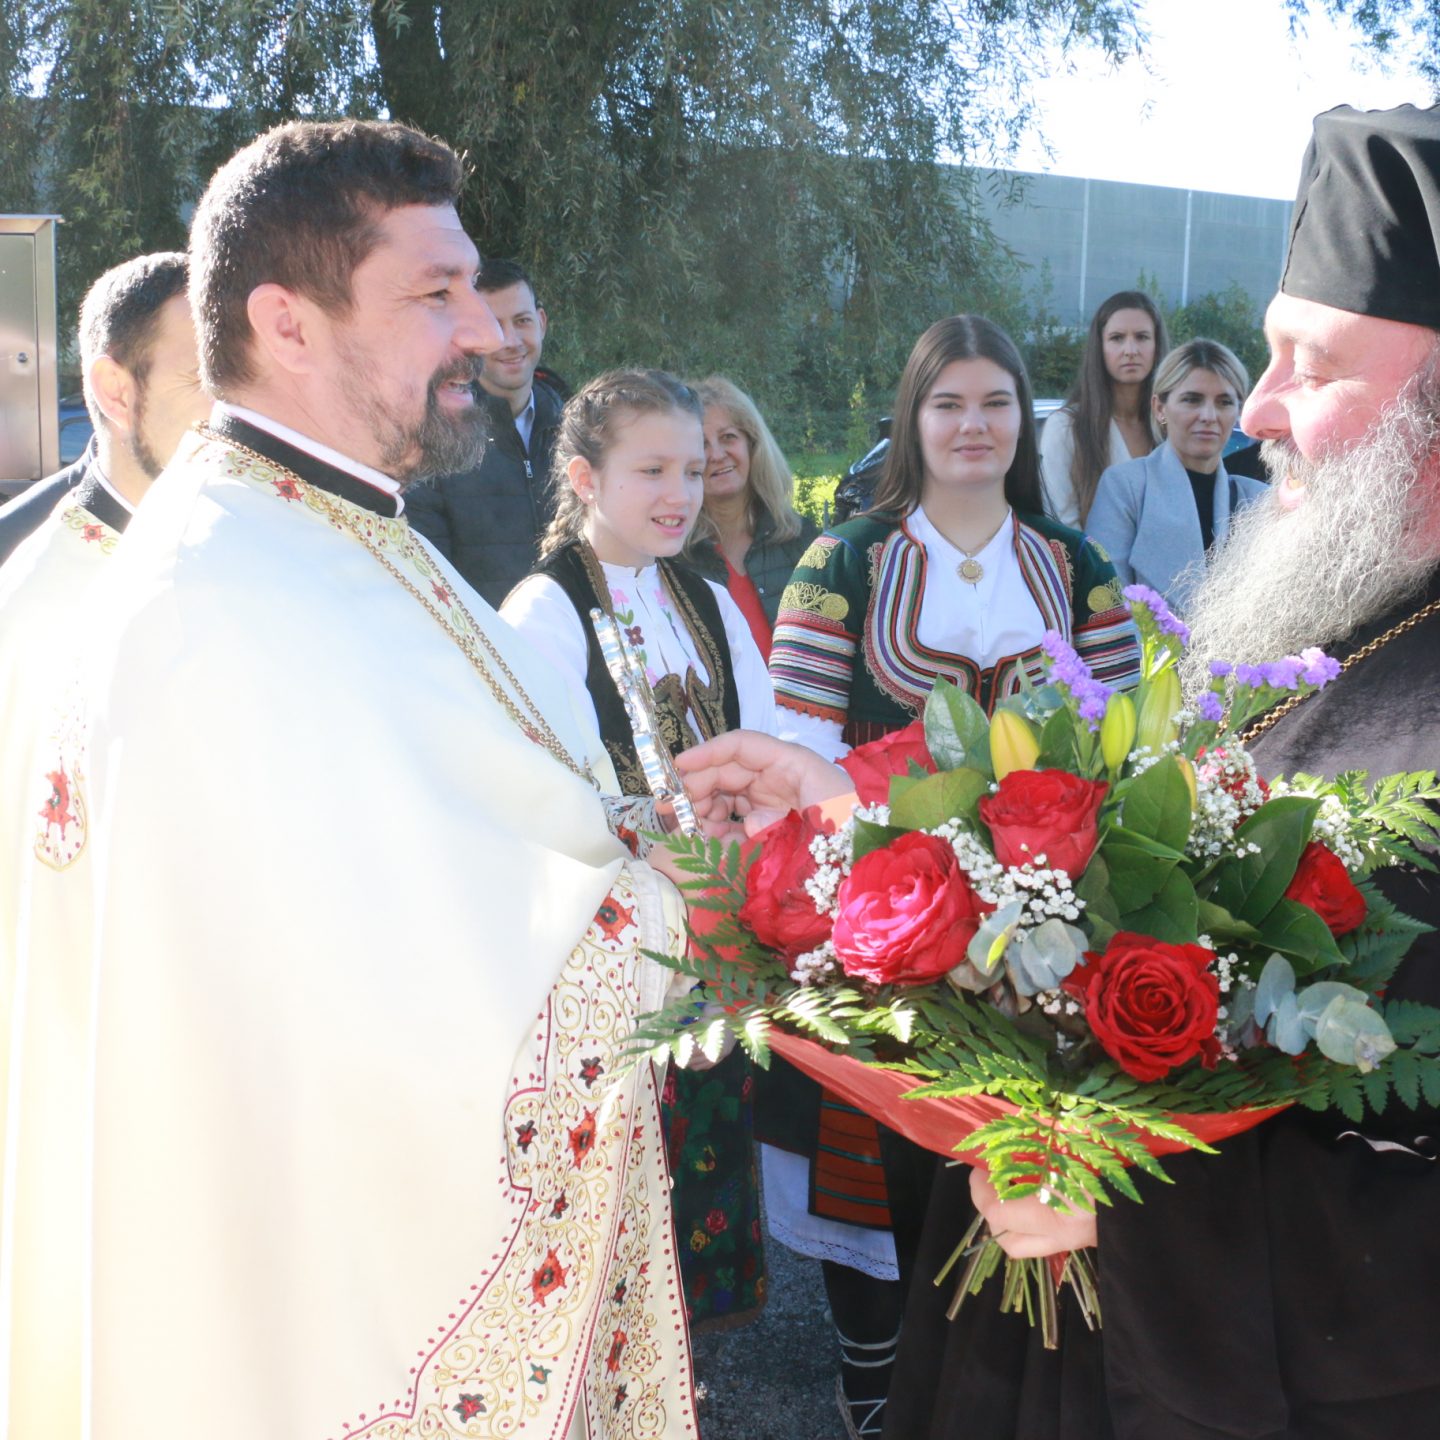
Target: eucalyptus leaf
x,y
1350,1033
1286,1030
1314,999
1277,979
988,943
1045,956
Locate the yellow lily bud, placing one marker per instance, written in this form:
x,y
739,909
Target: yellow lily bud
x,y
1013,743
1117,730
1188,771
1157,712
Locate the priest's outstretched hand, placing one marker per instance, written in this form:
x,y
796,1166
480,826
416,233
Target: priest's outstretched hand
x,y
1029,1229
742,781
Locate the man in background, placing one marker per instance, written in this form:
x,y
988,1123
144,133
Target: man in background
x,y
487,520
142,388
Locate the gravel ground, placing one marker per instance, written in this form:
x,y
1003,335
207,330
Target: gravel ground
x,y
774,1379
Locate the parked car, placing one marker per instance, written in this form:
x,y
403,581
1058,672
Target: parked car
x,y
854,493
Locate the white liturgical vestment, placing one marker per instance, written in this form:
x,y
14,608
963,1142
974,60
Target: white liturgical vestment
x,y
358,1162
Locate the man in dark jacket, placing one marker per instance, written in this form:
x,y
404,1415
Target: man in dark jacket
x,y
487,521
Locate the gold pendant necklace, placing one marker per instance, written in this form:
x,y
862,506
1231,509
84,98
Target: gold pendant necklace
x,y
529,721
970,569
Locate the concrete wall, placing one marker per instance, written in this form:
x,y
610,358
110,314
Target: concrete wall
x,y
1100,235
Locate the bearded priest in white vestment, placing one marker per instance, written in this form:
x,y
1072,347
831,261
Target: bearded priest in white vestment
x,y
365,948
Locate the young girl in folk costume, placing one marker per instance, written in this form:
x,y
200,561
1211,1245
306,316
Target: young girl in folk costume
x,y
628,471
955,573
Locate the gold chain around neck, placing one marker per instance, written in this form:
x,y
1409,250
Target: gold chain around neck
x,y
531,723
1260,726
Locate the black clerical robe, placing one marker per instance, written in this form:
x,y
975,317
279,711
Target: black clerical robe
x,y
1287,1288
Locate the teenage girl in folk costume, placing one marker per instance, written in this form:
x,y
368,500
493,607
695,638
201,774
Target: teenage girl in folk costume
x,y
628,471
955,572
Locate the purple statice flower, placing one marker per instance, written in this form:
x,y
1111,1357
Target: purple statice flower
x,y
1251,675
1066,668
1069,670
1319,669
1166,621
1210,707
1091,698
1219,669
1284,674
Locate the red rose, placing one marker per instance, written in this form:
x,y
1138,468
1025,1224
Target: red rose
x,y
1045,812
1152,1006
871,766
1322,883
716,1223
907,912
777,909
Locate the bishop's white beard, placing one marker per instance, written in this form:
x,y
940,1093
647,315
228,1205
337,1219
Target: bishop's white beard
x,y
1360,543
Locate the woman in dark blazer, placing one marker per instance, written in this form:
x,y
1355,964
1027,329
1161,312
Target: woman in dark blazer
x,y
1158,517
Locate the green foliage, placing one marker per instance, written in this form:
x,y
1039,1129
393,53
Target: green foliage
x,y
1396,820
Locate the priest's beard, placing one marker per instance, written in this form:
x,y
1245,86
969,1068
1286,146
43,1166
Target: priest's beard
x,y
438,443
1360,543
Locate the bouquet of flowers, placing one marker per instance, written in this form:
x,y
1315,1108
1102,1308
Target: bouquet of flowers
x,y
1073,936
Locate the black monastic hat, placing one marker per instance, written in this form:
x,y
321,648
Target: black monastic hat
x,y
1365,235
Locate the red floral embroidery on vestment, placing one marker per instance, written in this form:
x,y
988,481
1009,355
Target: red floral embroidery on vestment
x,y
621,1396
582,1138
560,1206
525,1134
469,1406
93,532
442,594
613,919
617,1345
56,810
286,487
590,1071
619,1293
539,1374
548,1278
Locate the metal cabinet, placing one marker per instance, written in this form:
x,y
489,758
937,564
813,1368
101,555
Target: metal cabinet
x,y
29,377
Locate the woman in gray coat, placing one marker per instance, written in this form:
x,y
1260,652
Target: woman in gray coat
x,y
1157,517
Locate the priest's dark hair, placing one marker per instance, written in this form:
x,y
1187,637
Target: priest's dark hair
x,y
1091,401
298,207
121,312
587,430
960,337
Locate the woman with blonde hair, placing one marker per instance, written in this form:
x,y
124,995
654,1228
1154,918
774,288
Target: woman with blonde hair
x,y
1158,517
749,535
1106,417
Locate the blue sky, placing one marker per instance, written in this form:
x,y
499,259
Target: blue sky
x,y
1223,99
